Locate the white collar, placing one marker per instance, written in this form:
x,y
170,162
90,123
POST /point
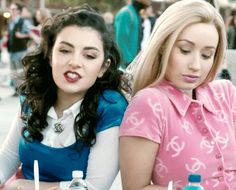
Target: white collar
x,y
74,109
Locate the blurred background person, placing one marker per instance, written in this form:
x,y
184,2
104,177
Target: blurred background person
x,y
128,30
148,21
18,36
35,31
0,49
26,14
231,30
109,19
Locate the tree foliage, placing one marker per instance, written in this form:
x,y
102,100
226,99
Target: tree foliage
x,y
102,5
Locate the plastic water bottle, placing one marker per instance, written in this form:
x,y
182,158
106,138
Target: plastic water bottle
x,y
194,181
77,183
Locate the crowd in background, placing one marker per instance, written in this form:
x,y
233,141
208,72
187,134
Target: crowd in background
x,y
22,36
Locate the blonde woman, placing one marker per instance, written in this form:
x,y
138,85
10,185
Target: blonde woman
x,y
180,119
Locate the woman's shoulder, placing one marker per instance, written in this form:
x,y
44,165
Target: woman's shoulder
x,y
145,98
111,108
220,87
149,92
112,98
221,84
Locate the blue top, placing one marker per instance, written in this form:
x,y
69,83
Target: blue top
x,y
57,164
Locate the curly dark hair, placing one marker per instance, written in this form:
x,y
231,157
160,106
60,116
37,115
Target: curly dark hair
x,y
40,89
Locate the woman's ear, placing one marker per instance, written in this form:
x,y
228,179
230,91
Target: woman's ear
x,y
104,68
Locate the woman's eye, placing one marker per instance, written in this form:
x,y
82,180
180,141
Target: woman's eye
x,y
184,51
65,51
89,56
206,56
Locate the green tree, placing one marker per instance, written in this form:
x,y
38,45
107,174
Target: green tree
x,y
102,5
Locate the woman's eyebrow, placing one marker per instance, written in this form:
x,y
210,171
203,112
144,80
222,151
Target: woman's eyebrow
x,y
86,48
67,43
190,42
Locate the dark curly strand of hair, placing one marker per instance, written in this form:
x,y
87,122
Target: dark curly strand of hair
x,y
40,89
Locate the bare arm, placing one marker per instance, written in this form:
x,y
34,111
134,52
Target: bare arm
x,y
35,37
21,35
137,157
24,184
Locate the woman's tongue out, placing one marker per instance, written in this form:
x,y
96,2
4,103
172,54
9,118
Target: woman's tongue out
x,y
72,76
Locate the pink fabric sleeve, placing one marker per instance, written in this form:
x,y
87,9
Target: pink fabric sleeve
x,y
144,116
229,91
233,101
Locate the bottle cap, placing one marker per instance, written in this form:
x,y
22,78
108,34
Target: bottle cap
x,y
194,178
77,173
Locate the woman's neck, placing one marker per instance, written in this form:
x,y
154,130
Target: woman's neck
x,y
189,93
65,101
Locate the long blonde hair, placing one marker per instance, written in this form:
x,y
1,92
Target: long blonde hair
x,y
149,67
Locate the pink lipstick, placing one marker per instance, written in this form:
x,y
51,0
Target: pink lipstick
x,y
190,78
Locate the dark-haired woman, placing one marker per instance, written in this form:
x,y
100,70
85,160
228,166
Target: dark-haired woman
x,y
71,105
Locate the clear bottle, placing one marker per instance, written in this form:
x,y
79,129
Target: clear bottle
x,y
194,182
77,183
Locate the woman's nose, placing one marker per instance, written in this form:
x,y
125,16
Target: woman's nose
x,y
76,61
195,63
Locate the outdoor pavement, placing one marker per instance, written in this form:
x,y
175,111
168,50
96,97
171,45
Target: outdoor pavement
x,y
9,105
